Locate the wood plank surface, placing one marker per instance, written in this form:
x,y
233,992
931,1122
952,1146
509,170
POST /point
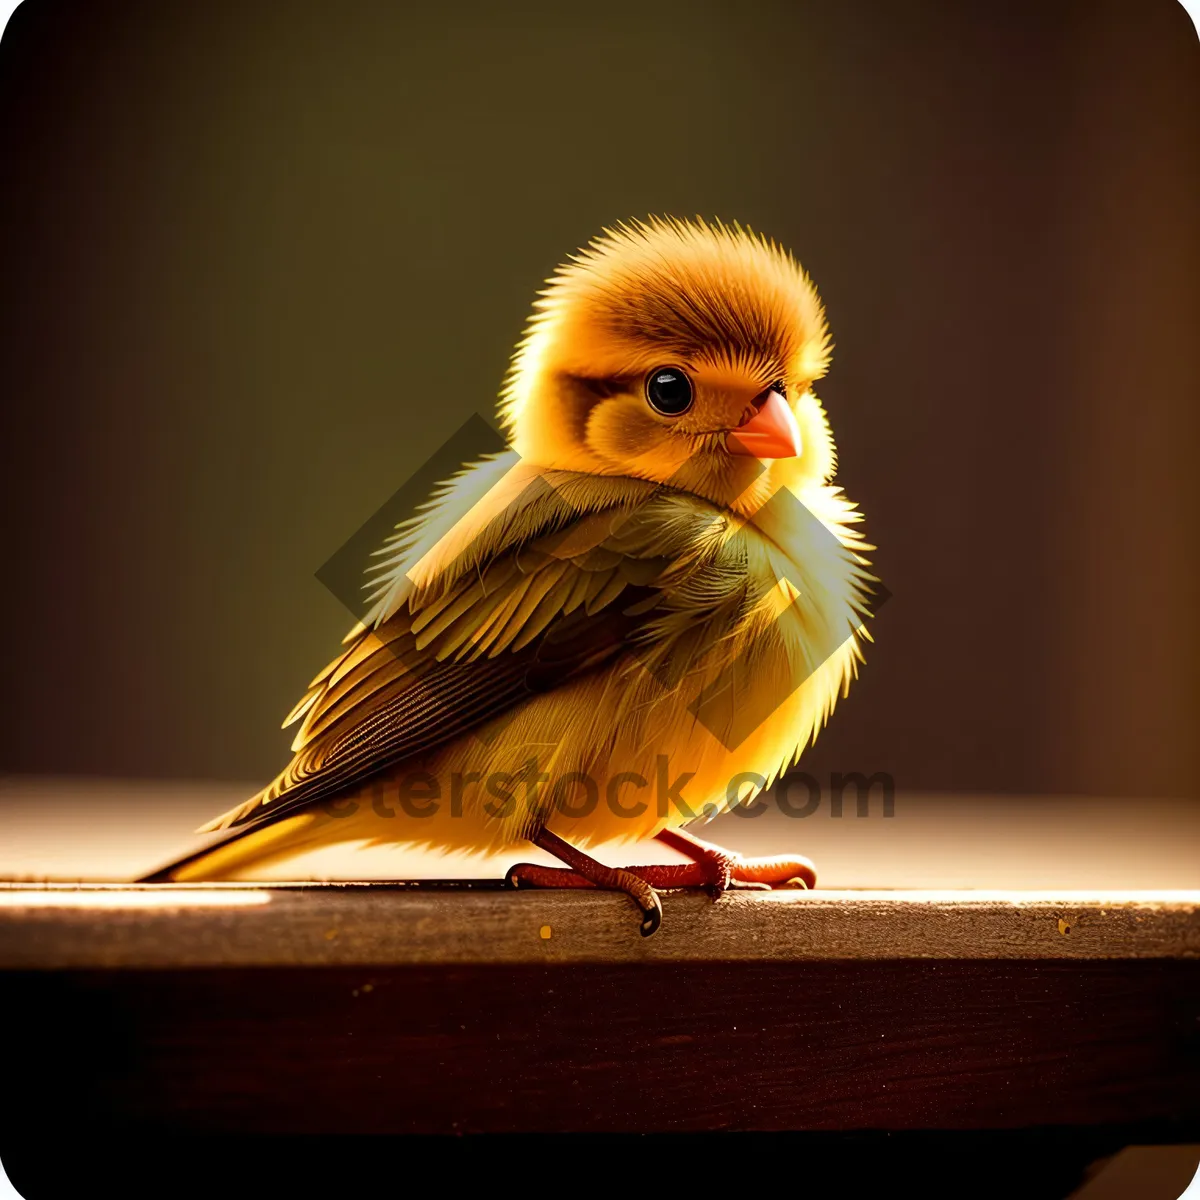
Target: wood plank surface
x,y
330,924
344,1009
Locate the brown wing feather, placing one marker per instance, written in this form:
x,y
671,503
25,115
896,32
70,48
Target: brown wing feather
x,y
552,599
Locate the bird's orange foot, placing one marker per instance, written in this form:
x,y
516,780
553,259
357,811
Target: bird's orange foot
x,y
667,876
726,869
712,868
714,874
585,871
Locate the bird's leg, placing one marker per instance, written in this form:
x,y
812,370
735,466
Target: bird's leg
x,y
725,868
585,871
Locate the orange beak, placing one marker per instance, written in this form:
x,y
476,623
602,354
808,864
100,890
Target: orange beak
x,y
771,433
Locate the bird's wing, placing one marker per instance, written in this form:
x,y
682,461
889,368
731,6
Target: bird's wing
x,y
560,589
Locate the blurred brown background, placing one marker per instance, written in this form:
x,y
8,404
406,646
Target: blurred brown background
x,y
261,260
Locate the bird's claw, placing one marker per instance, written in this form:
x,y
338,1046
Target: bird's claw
x,y
638,890
651,915
719,868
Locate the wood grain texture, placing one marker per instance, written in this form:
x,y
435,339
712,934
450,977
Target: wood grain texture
x,y
345,924
671,1046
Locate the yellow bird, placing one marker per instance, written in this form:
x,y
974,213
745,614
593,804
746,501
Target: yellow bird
x,y
641,613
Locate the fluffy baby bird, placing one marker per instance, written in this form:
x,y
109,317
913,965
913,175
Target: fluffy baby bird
x,y
639,614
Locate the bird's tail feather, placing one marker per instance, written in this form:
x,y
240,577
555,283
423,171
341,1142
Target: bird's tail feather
x,y
240,850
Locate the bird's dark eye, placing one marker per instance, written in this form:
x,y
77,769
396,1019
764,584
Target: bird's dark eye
x,y
669,391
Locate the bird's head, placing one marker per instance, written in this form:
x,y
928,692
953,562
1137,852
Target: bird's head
x,y
676,351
